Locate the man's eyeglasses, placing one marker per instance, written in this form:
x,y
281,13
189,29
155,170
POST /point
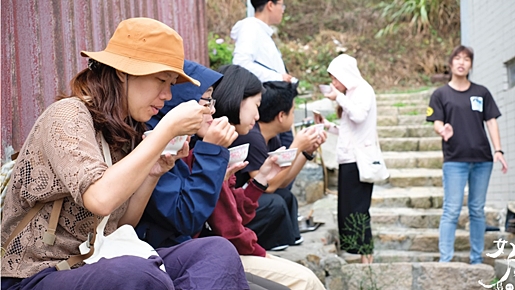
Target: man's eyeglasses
x,y
282,5
210,103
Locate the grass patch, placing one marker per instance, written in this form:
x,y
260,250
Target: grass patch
x,y
406,90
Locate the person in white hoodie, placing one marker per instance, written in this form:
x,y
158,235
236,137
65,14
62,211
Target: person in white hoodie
x,y
255,49
358,115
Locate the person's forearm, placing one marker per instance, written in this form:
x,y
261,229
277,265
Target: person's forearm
x,y
281,181
493,131
138,202
437,126
102,198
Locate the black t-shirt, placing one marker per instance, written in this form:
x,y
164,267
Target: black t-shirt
x,y
466,112
258,152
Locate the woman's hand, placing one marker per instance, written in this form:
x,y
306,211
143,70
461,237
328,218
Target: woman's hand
x,y
167,161
318,118
185,119
221,132
332,95
232,169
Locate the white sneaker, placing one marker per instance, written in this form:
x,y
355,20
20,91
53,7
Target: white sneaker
x,y
299,241
279,248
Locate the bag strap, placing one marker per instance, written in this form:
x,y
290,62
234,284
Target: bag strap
x,y
49,235
66,265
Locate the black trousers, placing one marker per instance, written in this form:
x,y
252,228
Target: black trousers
x,y
274,224
354,198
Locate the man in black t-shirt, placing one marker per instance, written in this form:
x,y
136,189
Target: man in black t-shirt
x,y
276,116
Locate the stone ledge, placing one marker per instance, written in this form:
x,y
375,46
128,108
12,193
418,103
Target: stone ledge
x,y
415,276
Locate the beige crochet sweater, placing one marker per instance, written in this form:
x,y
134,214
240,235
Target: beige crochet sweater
x,y
61,157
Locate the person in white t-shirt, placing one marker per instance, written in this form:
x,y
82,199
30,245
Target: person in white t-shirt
x,y
255,49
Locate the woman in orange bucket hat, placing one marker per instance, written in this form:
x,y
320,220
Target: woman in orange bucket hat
x,y
62,159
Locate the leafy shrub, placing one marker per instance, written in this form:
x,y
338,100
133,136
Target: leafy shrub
x,y
308,61
220,51
420,15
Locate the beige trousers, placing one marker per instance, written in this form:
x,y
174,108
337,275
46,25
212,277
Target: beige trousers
x,y
290,274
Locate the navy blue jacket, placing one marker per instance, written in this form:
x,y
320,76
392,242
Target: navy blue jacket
x,y
182,200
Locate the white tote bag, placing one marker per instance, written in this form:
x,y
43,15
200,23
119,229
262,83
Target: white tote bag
x,y
370,163
122,242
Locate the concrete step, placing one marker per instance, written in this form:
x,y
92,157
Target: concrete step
x,y
419,110
411,144
501,268
406,276
392,120
405,131
423,218
409,197
413,159
396,256
402,103
410,177
405,96
426,240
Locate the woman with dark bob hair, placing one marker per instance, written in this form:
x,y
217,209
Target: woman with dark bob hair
x,y
63,175
239,88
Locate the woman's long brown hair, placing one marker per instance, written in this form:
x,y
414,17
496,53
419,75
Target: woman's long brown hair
x,y
339,111
104,95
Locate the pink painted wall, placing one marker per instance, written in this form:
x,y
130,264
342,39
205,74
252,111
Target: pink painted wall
x,y
41,41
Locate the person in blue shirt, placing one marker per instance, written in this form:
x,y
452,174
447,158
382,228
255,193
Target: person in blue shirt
x,y
183,200
172,217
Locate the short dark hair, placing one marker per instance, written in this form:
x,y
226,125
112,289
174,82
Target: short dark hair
x,y
459,49
259,5
277,98
236,85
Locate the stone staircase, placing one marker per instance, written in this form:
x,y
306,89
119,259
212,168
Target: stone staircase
x,y
406,209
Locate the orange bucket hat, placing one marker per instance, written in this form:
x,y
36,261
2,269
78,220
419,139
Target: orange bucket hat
x,y
143,46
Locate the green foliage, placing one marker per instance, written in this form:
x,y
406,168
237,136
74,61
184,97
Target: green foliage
x,y
305,87
412,113
331,117
420,15
357,224
399,105
313,33
308,62
220,51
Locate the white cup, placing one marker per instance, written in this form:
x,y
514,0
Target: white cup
x,y
174,145
284,157
238,153
325,89
318,127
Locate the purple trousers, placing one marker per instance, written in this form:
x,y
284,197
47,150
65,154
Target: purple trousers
x,y
206,263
